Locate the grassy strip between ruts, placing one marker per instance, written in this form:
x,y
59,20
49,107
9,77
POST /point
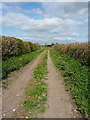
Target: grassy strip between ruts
x,y
15,63
36,94
76,78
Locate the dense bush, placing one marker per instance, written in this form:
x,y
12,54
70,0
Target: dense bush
x,y
12,47
78,50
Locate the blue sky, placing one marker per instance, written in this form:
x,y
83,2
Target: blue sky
x,y
46,22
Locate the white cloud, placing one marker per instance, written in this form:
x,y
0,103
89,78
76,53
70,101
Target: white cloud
x,y
0,6
75,34
34,11
66,10
58,20
69,34
26,23
63,39
17,9
46,28
1,15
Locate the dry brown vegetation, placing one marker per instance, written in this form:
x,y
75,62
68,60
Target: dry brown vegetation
x,y
13,47
77,50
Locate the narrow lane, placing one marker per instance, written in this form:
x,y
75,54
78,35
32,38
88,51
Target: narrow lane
x,y
13,94
60,105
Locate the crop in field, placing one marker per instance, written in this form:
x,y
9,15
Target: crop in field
x,y
76,78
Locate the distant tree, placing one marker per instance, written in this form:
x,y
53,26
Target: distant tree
x,y
52,44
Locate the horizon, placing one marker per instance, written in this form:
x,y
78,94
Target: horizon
x,y
45,44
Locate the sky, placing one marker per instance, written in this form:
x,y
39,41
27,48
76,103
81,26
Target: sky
x,y
45,22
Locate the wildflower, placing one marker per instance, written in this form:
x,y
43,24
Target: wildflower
x,y
14,110
26,117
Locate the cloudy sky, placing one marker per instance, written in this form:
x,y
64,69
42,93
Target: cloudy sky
x,y
46,22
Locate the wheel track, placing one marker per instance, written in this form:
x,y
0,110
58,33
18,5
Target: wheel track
x,y
13,94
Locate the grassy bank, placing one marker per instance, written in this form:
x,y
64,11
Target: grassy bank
x,y
36,93
15,63
79,51
76,78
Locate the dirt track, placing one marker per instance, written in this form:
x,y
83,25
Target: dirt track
x,y
13,94
59,101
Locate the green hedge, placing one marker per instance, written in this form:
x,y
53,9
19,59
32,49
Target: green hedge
x,y
12,47
77,50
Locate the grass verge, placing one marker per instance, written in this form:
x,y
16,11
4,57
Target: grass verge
x,y
76,79
36,94
15,63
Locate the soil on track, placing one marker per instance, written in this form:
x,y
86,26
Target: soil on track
x,y
13,94
60,104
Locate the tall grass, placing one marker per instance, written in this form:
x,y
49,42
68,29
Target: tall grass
x,y
78,50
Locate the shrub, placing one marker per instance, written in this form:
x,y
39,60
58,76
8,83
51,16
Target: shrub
x,y
12,47
78,50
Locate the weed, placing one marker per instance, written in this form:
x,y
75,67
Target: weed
x,y
76,77
36,95
79,51
15,63
42,108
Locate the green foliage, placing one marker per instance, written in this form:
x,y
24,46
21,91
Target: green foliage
x,y
79,51
15,63
41,71
13,47
20,46
36,95
76,78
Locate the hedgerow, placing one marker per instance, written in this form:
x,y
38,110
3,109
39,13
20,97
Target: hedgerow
x,y
13,47
77,50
